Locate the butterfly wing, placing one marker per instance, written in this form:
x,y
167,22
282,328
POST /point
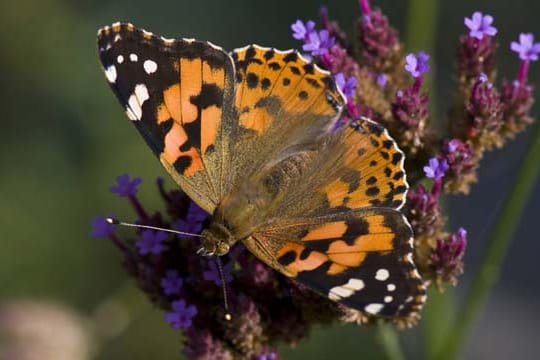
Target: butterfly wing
x,y
179,94
362,259
339,230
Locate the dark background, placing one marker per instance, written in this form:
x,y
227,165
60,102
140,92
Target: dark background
x,y
64,139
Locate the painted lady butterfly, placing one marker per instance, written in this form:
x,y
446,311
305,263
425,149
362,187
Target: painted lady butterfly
x,y
250,136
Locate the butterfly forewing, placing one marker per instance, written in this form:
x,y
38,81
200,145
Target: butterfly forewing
x,y
179,94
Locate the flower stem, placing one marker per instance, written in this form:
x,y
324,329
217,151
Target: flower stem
x,y
389,341
501,236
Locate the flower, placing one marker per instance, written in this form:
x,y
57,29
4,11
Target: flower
x,y
151,242
348,87
101,227
526,48
379,43
171,283
318,43
212,274
381,80
446,259
417,65
181,315
267,354
193,221
125,186
301,31
436,168
480,25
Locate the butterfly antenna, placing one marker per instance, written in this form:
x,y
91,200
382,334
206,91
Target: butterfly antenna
x,y
115,221
228,315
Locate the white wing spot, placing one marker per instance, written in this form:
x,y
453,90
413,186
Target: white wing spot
x,y
355,284
388,299
134,108
339,292
117,38
345,290
382,274
150,66
120,59
133,57
141,91
391,287
136,101
111,74
373,308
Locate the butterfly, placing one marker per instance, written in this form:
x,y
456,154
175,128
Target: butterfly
x,y
251,137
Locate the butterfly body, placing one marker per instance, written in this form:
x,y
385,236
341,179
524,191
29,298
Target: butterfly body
x,y
251,137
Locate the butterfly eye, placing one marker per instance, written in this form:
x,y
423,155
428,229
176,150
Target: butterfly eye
x,y
222,248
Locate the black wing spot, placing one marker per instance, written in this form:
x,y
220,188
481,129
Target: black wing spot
x,y
293,56
252,80
396,158
265,83
295,70
287,258
269,54
373,191
274,66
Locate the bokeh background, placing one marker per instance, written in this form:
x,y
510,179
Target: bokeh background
x,y
64,139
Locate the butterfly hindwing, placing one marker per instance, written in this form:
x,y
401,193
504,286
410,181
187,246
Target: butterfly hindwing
x,y
361,259
179,94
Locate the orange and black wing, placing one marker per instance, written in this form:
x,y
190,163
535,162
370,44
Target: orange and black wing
x,y
179,94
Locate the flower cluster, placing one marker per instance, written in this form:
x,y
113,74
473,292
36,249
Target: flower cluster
x,y
189,287
382,82
389,89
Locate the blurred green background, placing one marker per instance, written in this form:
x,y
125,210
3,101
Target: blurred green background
x,y
64,139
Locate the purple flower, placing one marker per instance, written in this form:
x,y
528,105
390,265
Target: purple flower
x,y
348,87
382,79
151,242
417,65
480,25
447,256
181,315
436,168
267,354
212,274
318,43
171,283
193,222
453,145
125,186
526,48
101,227
301,30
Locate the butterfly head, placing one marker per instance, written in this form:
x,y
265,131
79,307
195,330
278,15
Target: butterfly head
x,y
217,240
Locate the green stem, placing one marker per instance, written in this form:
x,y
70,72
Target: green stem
x,y
501,236
389,341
